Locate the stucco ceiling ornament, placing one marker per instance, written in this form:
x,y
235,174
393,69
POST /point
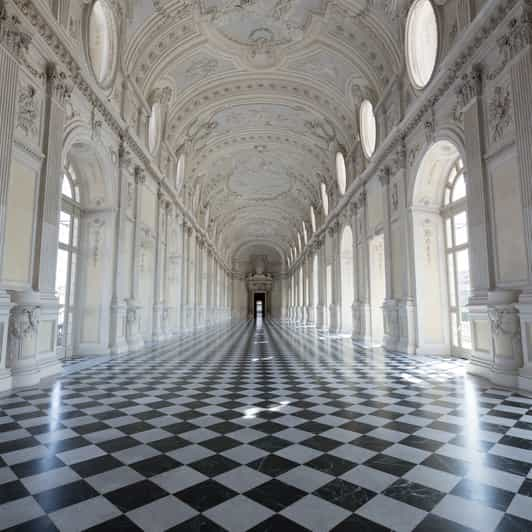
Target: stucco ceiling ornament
x,y
259,30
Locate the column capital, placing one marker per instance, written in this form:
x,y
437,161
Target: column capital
x,y
58,85
140,175
469,87
12,36
519,34
384,176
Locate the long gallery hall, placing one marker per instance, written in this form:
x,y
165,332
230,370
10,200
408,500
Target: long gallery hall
x,y
266,265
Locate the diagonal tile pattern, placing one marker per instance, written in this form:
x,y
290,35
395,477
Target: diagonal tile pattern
x,y
297,431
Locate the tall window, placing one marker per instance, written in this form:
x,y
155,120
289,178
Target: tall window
x,y
67,260
457,251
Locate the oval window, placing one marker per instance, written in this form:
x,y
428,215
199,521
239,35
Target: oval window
x,y
325,199
368,128
102,42
154,127
341,173
313,219
421,42
180,173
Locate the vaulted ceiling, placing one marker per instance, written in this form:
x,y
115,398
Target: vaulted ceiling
x,y
264,92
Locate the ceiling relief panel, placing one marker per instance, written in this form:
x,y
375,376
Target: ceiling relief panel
x,y
201,66
265,92
258,29
252,176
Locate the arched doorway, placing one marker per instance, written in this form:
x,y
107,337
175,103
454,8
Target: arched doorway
x,y
441,243
67,262
347,279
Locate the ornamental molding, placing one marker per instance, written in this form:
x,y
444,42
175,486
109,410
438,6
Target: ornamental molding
x,y
12,36
499,112
469,87
58,84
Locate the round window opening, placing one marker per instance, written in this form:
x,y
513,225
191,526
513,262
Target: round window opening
x,y
312,219
325,199
340,172
154,127
180,174
102,42
368,128
421,42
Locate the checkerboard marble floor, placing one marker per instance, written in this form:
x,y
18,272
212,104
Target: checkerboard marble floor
x,y
266,427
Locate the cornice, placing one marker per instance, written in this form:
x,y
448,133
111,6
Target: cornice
x,y
464,50
44,27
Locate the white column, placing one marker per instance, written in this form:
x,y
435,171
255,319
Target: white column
x,y
322,285
311,303
334,307
389,307
13,43
363,335
133,330
118,343
520,51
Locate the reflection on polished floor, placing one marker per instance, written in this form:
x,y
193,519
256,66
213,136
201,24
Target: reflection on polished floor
x,y
265,427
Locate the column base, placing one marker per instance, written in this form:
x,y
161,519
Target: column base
x,y
334,318
5,372
118,344
391,325
310,315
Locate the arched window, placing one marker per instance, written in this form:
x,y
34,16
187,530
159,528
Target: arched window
x,y
180,172
305,235
368,128
325,198
341,176
67,260
299,246
454,213
102,42
313,219
421,42
155,127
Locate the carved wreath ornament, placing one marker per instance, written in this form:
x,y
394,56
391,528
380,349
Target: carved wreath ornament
x,y
499,112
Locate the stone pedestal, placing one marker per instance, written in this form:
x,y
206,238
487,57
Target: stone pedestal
x,y
158,334
5,372
133,326
525,316
320,316
362,324
119,343
334,318
505,337
310,315
22,345
47,356
391,325
407,326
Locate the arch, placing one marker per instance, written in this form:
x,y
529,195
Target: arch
x,y
347,279
341,174
90,258
441,255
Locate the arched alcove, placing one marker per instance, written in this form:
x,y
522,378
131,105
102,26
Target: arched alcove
x,y
84,260
440,233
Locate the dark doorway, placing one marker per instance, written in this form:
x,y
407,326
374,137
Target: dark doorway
x,y
259,305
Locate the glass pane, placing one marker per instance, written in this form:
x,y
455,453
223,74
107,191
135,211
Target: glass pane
x,y
460,228
61,277
449,233
75,228
66,187
447,198
65,221
452,281
462,276
465,329
452,175
459,189
454,329
73,278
